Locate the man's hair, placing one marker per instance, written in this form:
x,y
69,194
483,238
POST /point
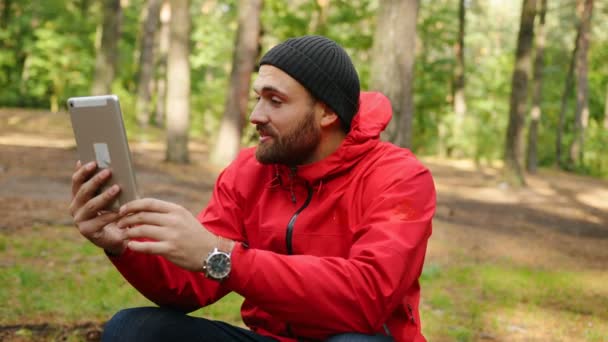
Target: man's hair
x,y
324,69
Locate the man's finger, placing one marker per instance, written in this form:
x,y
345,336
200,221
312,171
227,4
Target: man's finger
x,y
149,232
92,226
81,175
149,247
93,206
144,218
89,189
147,204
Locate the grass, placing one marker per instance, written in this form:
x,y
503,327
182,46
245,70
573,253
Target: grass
x,y
470,302
51,274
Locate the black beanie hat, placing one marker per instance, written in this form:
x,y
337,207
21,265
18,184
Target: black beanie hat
x,y
322,67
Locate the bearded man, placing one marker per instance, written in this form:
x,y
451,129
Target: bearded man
x,y
322,227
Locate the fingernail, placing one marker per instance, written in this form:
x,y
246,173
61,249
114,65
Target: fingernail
x,y
90,166
104,173
122,209
114,189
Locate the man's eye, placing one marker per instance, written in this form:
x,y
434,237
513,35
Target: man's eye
x,y
275,101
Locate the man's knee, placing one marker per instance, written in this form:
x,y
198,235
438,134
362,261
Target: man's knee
x,y
142,324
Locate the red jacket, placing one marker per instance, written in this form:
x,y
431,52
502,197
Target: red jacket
x,y
334,246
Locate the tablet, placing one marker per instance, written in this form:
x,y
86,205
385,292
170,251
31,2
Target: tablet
x,y
100,136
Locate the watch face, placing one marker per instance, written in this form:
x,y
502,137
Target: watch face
x,y
218,265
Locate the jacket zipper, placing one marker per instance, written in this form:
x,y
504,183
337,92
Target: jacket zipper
x,y
289,234
292,221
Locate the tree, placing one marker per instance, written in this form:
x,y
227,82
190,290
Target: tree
x,y
393,64
107,51
519,93
606,111
6,13
460,105
535,113
243,62
319,22
581,118
161,63
568,88
178,83
146,61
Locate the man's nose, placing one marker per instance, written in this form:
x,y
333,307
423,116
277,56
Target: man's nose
x,y
257,115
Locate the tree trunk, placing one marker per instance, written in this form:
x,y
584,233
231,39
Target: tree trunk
x,y
319,23
243,63
535,113
393,64
84,7
6,13
606,111
568,88
107,51
146,61
161,64
581,118
460,105
519,94
178,83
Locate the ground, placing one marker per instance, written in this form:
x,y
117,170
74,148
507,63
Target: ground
x,y
503,264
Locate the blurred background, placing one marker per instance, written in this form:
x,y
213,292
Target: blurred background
x,y
505,101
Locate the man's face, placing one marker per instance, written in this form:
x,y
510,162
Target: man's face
x,y
286,119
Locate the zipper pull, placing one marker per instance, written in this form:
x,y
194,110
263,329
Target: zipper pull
x,y
412,318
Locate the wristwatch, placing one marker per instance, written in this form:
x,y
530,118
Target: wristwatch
x,y
217,264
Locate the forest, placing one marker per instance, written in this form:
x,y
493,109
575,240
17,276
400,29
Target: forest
x,y
505,101
523,83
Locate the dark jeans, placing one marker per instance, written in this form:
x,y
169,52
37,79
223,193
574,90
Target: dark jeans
x,y
151,324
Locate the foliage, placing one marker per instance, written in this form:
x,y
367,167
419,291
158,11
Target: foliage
x,y
47,54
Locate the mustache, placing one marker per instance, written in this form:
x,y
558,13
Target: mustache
x,y
265,130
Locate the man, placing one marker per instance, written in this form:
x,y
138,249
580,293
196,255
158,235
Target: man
x,y
322,228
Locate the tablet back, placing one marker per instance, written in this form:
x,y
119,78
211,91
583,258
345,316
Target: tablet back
x,y
101,137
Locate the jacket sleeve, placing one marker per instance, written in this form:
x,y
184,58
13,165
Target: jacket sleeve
x,y
357,293
168,285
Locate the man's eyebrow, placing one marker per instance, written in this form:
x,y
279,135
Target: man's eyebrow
x,y
269,88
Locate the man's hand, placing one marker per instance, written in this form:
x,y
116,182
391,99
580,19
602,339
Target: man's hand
x,y
87,209
174,232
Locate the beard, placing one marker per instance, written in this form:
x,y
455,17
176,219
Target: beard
x,y
295,147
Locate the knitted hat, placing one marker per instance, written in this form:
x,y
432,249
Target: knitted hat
x,y
322,67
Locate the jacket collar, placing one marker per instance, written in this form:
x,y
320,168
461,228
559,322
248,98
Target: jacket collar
x,y
375,112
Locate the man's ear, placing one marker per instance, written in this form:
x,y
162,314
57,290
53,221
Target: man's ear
x,y
328,116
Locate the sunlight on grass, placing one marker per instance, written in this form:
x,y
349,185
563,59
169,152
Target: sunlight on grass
x,y
477,301
51,274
